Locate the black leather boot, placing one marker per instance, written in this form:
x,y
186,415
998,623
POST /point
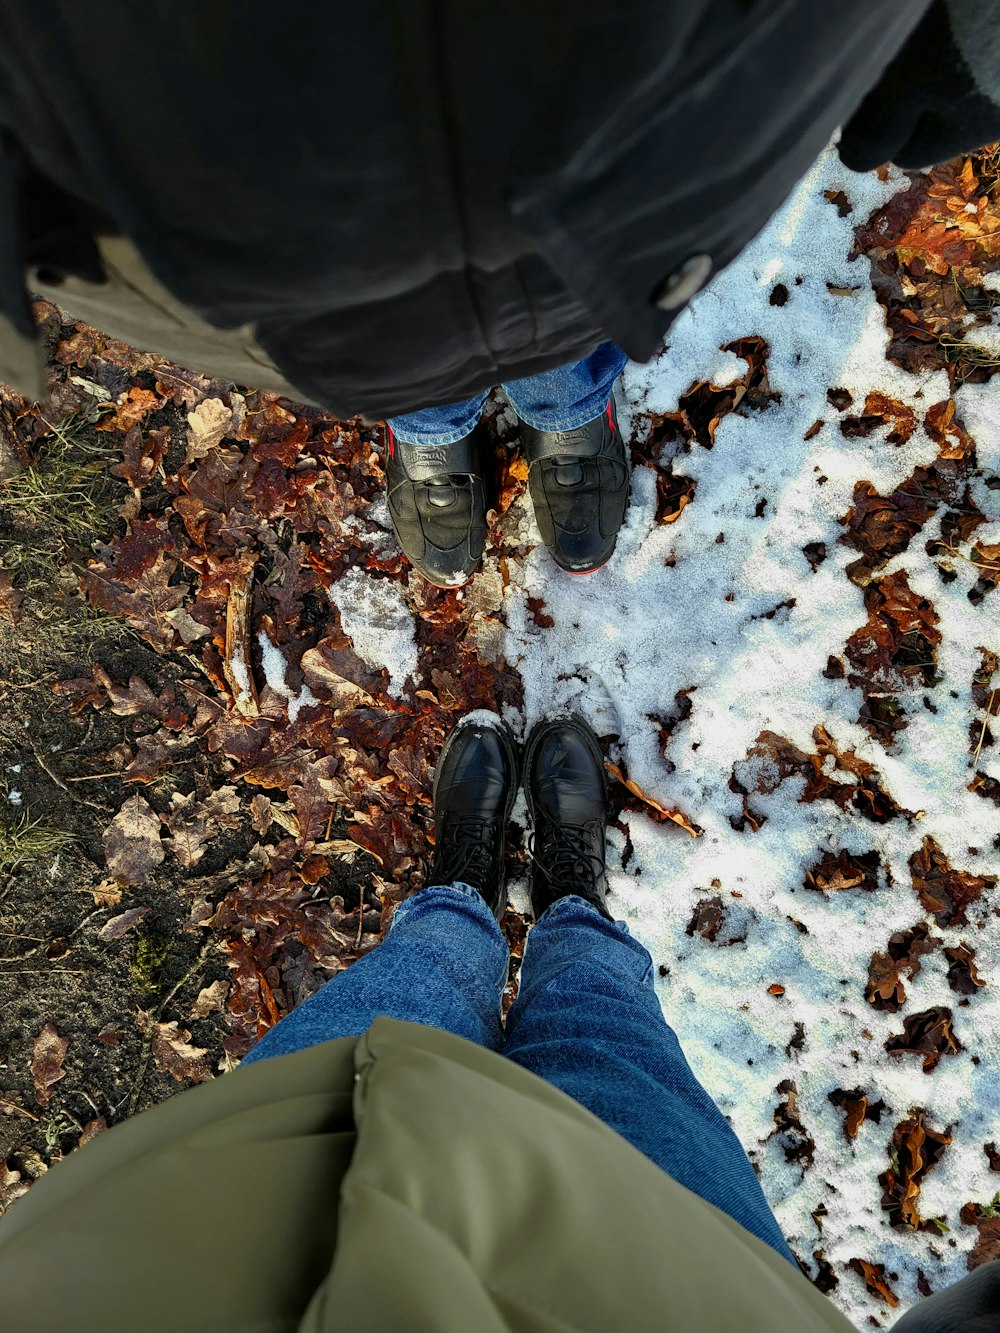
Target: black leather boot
x,y
579,483
568,806
437,501
475,783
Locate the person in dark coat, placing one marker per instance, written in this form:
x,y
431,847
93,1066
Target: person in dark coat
x,y
388,208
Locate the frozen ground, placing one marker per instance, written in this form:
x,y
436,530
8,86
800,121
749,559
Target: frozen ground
x,y
692,606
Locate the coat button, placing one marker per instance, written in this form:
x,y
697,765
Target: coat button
x,y
684,282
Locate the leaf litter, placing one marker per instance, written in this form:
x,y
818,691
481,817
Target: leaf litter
x,y
796,695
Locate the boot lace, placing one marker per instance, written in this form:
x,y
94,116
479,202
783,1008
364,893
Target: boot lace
x,y
465,852
563,854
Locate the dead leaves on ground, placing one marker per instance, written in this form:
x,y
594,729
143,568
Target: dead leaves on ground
x,y
773,759
648,804
914,1150
885,989
931,246
946,893
700,411
928,1034
242,513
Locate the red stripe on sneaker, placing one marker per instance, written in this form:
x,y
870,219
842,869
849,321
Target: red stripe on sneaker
x,y
582,573
611,420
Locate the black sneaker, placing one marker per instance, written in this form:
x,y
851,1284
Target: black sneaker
x,y
579,484
437,502
475,782
568,807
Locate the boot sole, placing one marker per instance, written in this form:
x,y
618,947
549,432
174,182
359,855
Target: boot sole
x,y
511,750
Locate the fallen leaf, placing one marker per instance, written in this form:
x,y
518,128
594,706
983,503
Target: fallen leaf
x,y
708,919
945,892
12,1186
47,1056
131,409
962,974
106,894
172,1049
208,425
91,1130
659,812
132,846
854,1104
885,989
986,1220
120,925
928,1034
914,1150
841,870
211,999
798,1144
875,1280
194,823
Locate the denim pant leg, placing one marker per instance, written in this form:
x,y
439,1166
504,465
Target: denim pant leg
x,y
555,400
439,425
571,395
587,1020
443,963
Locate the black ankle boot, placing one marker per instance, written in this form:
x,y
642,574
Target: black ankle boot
x,y
437,502
568,805
579,484
474,787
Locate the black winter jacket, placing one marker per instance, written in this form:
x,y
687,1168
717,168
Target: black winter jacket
x,y
411,200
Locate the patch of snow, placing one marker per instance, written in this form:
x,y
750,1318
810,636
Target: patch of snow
x,y
680,606
379,623
275,667
15,797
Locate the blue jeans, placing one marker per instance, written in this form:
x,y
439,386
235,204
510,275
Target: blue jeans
x,y
556,400
586,1019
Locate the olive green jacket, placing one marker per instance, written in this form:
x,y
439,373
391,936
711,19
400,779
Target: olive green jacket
x,y
403,1180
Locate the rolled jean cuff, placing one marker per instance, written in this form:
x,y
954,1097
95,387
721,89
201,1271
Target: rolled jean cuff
x,y
464,416
571,906
442,895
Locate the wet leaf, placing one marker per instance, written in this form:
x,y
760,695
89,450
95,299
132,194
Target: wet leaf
x,y
945,892
928,1034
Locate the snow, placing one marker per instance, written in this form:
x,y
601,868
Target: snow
x,y
627,638
275,666
380,624
15,797
678,608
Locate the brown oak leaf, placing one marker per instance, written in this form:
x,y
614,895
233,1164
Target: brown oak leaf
x,y
945,892
172,1049
928,1034
47,1056
132,846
